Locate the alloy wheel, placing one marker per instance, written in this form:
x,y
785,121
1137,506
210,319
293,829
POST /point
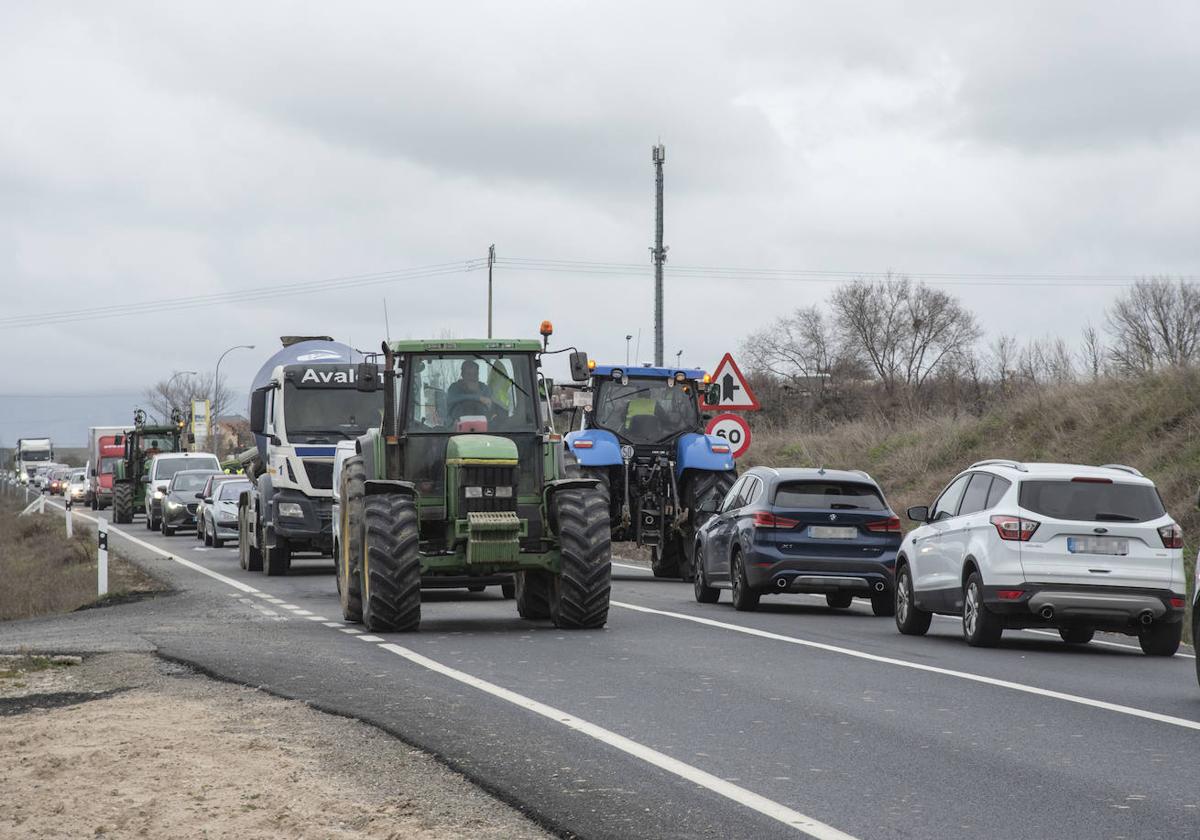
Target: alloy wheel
x,y
971,609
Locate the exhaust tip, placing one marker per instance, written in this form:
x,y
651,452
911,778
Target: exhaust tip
x,y
880,586
781,583
1146,617
1047,612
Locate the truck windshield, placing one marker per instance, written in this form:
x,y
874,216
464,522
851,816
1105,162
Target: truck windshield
x,y
471,392
647,410
42,455
330,412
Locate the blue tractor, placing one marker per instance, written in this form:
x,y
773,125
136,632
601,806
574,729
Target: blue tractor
x,y
644,439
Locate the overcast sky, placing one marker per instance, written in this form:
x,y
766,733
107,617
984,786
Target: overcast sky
x,y
162,150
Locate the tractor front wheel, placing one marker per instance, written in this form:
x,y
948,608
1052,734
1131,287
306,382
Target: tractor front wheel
x,y
349,558
122,503
579,594
391,564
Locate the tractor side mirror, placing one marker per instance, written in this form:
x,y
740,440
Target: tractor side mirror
x,y
367,377
579,366
93,472
258,411
713,395
119,440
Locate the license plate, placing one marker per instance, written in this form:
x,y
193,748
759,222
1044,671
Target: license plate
x,y
1098,545
830,532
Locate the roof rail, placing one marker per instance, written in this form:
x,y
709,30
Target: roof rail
x,y
1000,462
1123,468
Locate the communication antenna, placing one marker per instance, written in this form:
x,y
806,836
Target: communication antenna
x,y
387,327
637,354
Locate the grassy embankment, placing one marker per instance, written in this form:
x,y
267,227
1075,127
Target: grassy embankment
x,y
1152,424
43,572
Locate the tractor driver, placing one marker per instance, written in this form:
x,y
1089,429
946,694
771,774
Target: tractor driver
x,y
468,395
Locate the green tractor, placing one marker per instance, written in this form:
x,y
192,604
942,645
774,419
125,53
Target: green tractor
x,y
465,479
141,444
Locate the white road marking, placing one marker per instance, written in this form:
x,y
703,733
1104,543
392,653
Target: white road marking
x,y
1054,634
1183,723
369,638
334,624
740,795
352,630
635,568
316,618
288,606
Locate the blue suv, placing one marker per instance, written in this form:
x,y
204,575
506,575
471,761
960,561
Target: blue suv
x,y
799,530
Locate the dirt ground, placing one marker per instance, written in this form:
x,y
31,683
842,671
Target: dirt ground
x,y
129,746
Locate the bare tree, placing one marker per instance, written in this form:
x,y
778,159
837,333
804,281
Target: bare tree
x,y
905,331
801,349
1092,353
1156,324
1003,354
176,393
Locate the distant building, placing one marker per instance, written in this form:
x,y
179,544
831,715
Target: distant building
x,y
232,435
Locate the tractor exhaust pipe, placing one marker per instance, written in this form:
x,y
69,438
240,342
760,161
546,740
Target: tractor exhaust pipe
x,y
1047,612
880,586
1146,617
781,583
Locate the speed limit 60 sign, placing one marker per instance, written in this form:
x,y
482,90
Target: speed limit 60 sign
x,y
733,428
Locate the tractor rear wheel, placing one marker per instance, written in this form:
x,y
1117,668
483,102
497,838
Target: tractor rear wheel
x,y
532,590
391,564
278,560
698,486
349,560
668,560
122,503
579,595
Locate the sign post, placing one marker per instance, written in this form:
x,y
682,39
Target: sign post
x,y
102,557
736,395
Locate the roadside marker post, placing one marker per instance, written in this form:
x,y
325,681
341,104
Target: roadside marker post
x,y
42,503
102,558
70,521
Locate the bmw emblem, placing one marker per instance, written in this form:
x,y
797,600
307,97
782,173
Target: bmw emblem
x,y
833,517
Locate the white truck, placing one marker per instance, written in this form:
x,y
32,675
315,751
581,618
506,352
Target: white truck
x,y
304,400
30,454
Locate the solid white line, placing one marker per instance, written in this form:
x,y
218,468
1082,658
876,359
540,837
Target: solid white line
x,y
635,568
1054,634
1183,723
740,795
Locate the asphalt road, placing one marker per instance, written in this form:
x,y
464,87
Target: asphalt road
x,y
687,720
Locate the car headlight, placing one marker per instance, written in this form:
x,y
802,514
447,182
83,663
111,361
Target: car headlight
x,y
158,494
291,509
173,505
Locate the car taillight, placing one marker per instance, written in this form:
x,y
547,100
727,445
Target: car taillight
x,y
1009,594
1015,528
890,525
764,519
1171,535
1176,603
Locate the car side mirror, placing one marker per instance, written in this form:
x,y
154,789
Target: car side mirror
x,y
712,395
275,441
199,495
920,513
93,473
579,366
367,377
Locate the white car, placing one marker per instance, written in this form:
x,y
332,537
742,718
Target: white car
x,y
161,470
1074,548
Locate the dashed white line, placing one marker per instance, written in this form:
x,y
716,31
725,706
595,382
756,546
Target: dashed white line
x,y
767,807
315,617
1183,723
352,630
369,638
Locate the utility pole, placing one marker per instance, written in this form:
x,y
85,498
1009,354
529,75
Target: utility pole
x,y
491,261
658,254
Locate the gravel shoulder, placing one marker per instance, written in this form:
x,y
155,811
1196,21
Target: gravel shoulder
x,y
128,745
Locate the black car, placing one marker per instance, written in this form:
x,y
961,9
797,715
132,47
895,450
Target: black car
x,y
179,504
781,531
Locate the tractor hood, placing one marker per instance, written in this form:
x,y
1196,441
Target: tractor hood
x,y
473,449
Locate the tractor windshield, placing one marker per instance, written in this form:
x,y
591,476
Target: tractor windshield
x,y
647,410
471,392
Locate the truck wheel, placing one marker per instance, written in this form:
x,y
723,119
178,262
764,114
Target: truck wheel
x,y
698,486
278,560
249,557
354,474
579,594
391,564
122,503
532,590
508,590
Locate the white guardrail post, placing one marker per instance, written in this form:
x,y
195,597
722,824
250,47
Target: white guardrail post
x,y
70,520
102,558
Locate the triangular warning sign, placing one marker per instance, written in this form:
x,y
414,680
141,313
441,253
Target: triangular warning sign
x,y
735,390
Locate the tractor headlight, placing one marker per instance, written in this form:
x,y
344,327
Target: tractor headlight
x,y
504,492
291,509
473,492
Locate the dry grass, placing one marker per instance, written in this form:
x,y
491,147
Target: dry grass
x,y
43,572
1152,424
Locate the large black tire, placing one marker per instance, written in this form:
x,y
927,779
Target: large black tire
x,y
745,599
579,594
704,593
277,561
349,561
1160,638
533,594
883,603
391,564
249,556
669,562
122,503
167,530
911,620
508,590
981,627
699,485
1076,635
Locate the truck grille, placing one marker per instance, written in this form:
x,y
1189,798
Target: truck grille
x,y
320,474
487,478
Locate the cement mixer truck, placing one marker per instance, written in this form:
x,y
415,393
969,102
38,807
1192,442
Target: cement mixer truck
x,y
303,401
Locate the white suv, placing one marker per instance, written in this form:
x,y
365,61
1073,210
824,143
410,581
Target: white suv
x,y
1076,548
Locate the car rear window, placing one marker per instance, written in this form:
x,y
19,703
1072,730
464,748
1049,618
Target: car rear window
x,y
230,490
828,495
165,468
1089,501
